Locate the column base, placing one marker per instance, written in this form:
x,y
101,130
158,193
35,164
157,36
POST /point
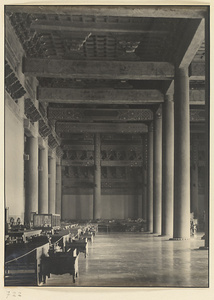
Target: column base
x,y
179,239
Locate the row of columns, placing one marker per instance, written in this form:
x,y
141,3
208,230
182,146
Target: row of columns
x,y
168,171
43,181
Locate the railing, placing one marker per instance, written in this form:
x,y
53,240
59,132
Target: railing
x,y
24,270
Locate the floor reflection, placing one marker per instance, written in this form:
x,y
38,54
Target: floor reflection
x,y
140,259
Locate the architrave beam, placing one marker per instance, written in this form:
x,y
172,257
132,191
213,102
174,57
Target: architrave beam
x,y
98,96
104,163
69,127
122,70
45,26
109,96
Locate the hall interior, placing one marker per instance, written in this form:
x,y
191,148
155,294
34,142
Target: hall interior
x,y
106,145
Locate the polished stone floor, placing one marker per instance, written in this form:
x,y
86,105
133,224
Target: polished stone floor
x,y
139,260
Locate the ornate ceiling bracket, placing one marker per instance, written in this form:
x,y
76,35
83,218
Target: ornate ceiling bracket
x,y
30,40
63,114
31,111
59,151
53,140
34,115
44,129
12,84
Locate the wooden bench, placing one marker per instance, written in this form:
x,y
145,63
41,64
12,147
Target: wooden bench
x,y
59,263
89,236
81,245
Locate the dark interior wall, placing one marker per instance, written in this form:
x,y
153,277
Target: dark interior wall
x,y
112,206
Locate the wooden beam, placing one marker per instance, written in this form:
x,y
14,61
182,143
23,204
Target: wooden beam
x,y
99,96
78,147
104,163
62,127
71,182
107,96
45,26
77,163
121,163
66,114
104,191
75,114
190,43
115,147
69,143
104,184
152,11
98,69
118,147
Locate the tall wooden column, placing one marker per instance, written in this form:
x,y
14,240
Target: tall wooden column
x,y
58,187
97,178
43,180
144,179
182,156
52,185
168,166
31,201
150,180
157,173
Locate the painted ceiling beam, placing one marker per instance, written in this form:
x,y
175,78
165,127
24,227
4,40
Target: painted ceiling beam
x,y
122,70
76,114
108,96
98,96
152,11
115,147
62,127
94,27
86,115
104,163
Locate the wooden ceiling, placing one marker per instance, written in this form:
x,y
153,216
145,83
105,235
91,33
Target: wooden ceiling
x,y
106,69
